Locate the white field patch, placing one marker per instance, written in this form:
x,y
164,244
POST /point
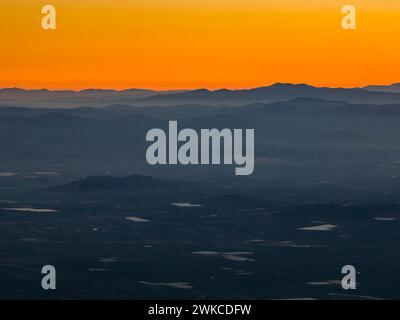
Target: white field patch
x,y
290,244
237,256
136,219
325,283
256,240
322,227
233,256
46,173
185,205
384,219
237,272
9,174
207,253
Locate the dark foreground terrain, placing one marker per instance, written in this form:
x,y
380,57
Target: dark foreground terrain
x,y
136,244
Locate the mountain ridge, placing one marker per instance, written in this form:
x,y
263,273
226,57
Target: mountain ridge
x,y
144,97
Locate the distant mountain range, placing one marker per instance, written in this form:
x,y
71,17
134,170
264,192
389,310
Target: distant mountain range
x,y
155,115
393,88
276,92
68,98
142,97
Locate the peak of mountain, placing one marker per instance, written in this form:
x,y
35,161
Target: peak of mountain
x,y
32,91
138,90
392,88
92,90
284,85
222,90
197,91
13,90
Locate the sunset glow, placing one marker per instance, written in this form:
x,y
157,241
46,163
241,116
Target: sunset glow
x,y
164,44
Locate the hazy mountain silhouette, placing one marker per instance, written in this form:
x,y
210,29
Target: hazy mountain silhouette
x,y
143,97
393,88
276,92
68,98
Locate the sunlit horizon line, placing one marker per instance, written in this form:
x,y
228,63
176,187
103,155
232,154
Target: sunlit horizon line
x,y
211,89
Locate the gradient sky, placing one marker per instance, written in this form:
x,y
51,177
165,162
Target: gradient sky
x,y
165,44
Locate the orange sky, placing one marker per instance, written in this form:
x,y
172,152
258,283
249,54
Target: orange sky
x,y
164,44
